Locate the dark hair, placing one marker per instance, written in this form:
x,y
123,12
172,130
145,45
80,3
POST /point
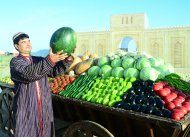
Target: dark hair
x,y
18,38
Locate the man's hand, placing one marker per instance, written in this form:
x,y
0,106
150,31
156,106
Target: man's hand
x,y
71,57
57,56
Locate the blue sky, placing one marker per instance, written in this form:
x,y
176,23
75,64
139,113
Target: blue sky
x,y
40,18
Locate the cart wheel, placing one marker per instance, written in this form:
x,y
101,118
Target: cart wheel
x,y
87,128
6,104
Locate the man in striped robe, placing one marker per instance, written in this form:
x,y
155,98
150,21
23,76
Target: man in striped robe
x,y
32,109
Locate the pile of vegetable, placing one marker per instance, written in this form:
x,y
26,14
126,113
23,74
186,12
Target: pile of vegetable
x,y
131,81
124,64
59,83
82,63
78,87
107,91
173,99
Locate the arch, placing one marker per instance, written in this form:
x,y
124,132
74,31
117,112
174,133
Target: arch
x,y
128,44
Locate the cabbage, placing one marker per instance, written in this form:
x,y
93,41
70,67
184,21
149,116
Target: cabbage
x,y
148,73
116,63
118,72
161,61
170,67
164,70
103,61
142,63
128,62
154,62
105,71
94,70
131,72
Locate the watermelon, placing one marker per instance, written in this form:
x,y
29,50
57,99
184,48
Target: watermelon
x,y
63,39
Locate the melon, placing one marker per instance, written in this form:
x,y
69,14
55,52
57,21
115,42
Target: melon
x,y
65,39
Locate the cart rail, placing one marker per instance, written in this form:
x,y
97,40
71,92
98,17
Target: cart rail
x,y
119,121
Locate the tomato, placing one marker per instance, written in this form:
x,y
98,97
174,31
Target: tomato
x,y
182,99
164,92
179,112
173,95
175,116
187,106
170,97
177,102
170,105
158,86
182,109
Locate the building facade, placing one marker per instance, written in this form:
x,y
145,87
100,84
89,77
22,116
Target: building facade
x,y
171,44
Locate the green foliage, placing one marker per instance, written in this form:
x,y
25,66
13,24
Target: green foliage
x,y
5,65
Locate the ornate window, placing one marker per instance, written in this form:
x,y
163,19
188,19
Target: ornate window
x,y
177,54
131,20
155,50
100,49
126,20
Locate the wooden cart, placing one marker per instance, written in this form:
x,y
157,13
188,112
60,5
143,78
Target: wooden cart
x,y
119,122
83,118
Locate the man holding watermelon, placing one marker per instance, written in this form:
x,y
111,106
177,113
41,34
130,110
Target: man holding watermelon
x,y
32,108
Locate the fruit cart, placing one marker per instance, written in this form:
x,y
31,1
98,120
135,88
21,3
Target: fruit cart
x,y
88,119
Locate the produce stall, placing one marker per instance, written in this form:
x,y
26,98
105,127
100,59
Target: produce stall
x,y
120,95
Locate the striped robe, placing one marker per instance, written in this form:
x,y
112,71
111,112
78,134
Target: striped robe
x,y
30,76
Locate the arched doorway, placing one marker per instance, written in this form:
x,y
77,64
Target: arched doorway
x,y
128,44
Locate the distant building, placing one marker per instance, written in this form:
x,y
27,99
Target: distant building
x,y
171,43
